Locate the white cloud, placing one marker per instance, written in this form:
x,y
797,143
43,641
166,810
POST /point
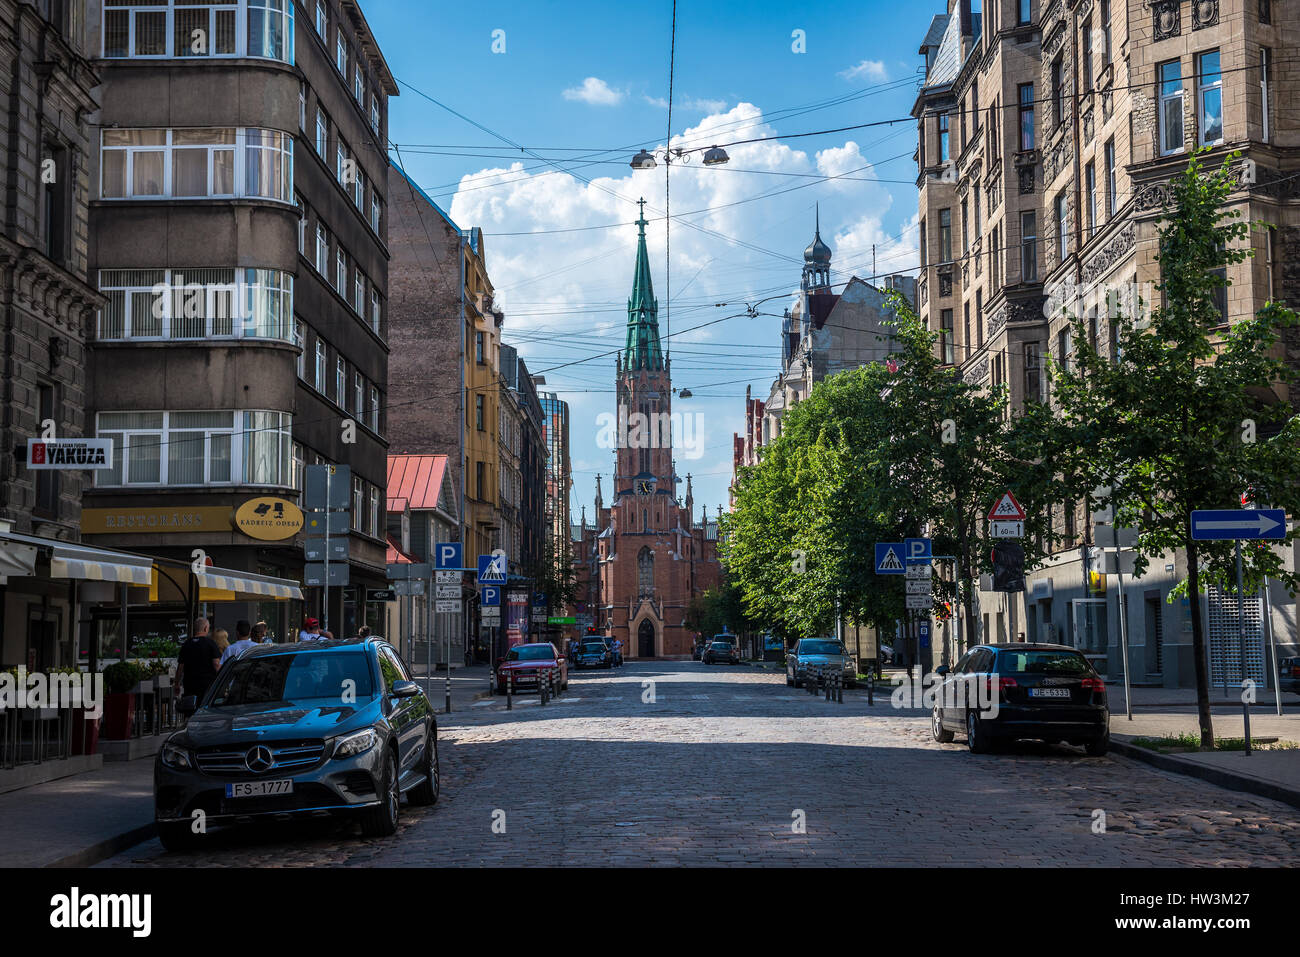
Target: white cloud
x,y
866,70
691,104
595,92
564,294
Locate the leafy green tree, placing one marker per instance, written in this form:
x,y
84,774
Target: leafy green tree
x,y
1191,414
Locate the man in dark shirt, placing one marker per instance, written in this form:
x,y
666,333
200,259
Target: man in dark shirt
x,y
197,661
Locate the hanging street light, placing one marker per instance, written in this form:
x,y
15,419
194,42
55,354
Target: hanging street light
x,y
643,160
716,157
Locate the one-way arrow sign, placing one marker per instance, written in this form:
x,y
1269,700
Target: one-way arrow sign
x,y
1231,523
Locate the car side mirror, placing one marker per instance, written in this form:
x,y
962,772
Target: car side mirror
x,y
405,689
941,670
187,705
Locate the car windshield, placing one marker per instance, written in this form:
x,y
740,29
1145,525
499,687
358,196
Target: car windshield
x,y
295,677
529,653
821,648
722,646
1041,663
594,648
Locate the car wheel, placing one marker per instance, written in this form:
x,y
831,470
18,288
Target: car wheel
x,y
1097,747
427,791
974,736
177,836
941,734
381,821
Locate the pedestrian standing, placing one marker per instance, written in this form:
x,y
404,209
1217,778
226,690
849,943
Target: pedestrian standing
x,y
259,633
221,638
310,630
244,641
197,661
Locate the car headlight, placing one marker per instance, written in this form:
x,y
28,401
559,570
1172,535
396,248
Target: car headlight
x,y
175,756
352,744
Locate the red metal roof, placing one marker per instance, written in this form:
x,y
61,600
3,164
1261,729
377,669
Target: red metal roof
x,y
395,554
416,478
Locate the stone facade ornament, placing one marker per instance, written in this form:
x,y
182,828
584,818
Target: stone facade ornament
x,y
1119,246
1205,13
1167,19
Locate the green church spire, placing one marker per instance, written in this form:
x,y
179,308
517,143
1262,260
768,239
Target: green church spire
x,y
643,311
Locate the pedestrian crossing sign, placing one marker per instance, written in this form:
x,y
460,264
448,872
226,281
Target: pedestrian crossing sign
x,y
491,569
889,558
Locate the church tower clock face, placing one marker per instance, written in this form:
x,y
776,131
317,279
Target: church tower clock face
x,y
645,486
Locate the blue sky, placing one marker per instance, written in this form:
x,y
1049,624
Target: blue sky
x,y
577,81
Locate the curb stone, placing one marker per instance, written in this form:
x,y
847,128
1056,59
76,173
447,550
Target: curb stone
x,y
1224,779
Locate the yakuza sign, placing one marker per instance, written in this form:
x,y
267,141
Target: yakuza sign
x,y
69,453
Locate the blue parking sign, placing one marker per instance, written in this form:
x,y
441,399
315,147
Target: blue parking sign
x,y
446,555
491,595
916,549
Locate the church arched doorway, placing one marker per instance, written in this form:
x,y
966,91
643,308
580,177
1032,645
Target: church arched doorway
x,y
645,639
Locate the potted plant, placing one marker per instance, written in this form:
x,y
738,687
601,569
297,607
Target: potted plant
x,y
120,680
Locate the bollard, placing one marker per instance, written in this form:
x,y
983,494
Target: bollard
x,y
544,687
1245,717
839,687
827,680
510,691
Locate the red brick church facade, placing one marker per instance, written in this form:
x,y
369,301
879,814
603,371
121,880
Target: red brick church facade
x,y
646,555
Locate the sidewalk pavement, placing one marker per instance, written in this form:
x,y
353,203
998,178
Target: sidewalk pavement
x,y
79,820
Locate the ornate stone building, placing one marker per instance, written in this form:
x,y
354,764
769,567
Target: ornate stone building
x,y
652,558
1068,119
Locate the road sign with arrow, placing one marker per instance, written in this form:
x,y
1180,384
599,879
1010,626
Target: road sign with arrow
x,y
1231,523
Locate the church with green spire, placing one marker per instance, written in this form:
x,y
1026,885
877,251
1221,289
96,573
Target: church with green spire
x,y
649,557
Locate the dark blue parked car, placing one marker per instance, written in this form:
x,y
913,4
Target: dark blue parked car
x,y
594,654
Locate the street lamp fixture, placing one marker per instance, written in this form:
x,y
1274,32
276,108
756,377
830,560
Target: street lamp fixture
x,y
684,394
716,157
643,160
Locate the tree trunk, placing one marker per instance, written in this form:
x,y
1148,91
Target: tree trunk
x,y
967,608
1198,645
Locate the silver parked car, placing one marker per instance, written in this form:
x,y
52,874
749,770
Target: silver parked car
x,y
819,653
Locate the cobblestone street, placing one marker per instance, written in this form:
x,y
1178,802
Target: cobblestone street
x,y
717,769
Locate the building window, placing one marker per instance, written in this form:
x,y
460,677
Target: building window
x,y
322,133
374,211
478,347
1058,90
995,258
297,466
1086,55
1105,33
479,411
302,227
1029,246
1112,190
1065,348
322,250
1265,89
480,481
1026,105
322,359
359,293
924,253
1023,14
979,316
197,164
196,448
966,339
359,190
376,522
943,137
1090,195
1033,376
359,83
645,567
341,52
373,412
1171,106
374,112
162,29
341,273
47,480
322,21
341,382
945,336
342,169
945,235
374,311
1062,228
169,304
358,393
965,233
358,503
1209,99
300,340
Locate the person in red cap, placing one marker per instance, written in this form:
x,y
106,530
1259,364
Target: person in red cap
x,y
310,630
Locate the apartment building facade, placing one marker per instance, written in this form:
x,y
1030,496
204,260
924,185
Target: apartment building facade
x,y
1097,105
239,238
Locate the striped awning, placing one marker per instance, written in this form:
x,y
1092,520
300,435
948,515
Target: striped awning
x,y
101,565
16,559
247,584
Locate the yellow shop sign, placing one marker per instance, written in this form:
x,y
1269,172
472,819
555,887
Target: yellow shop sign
x,y
269,519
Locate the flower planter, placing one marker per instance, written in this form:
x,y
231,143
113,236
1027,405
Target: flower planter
x,y
85,733
119,710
